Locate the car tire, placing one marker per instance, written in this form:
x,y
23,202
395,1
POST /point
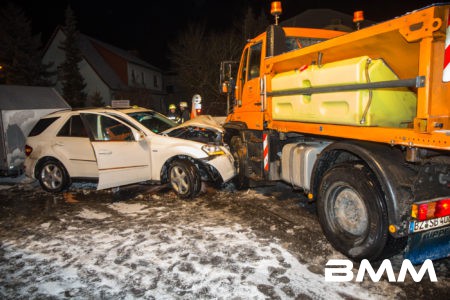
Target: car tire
x,y
239,152
52,176
184,178
352,212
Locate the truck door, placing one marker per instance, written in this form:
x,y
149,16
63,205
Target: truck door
x,y
248,91
121,159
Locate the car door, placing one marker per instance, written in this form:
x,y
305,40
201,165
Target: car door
x,y
123,157
74,149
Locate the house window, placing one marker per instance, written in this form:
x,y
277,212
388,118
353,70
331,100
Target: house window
x,y
133,76
155,81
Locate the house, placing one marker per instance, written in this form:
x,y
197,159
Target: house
x,y
111,72
324,18
20,108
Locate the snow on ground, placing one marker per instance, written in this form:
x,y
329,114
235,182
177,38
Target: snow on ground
x,y
132,250
156,246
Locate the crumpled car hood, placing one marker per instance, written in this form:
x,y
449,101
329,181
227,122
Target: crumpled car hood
x,y
202,121
203,128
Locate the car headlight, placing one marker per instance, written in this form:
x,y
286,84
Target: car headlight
x,y
212,150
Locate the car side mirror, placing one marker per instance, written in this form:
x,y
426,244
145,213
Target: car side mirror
x,y
138,135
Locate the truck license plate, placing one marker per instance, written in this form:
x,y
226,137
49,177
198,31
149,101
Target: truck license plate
x,y
417,226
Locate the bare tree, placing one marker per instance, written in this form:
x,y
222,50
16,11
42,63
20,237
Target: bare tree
x,y
197,53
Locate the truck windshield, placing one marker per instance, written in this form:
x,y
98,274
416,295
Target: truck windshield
x,y
297,42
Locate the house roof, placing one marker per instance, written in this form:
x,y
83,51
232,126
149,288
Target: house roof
x,y
98,63
103,69
18,97
124,54
324,18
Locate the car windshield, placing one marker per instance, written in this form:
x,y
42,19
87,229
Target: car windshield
x,y
154,121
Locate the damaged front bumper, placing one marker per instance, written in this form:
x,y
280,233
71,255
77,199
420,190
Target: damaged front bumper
x,y
222,165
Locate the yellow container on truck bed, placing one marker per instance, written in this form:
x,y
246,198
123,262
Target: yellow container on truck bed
x,y
389,107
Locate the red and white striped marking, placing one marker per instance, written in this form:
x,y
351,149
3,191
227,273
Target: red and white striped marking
x,y
266,152
446,73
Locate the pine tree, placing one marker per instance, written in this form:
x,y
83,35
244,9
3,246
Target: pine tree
x,y
96,99
68,71
20,51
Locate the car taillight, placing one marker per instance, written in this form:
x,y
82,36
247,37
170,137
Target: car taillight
x,y
431,210
28,150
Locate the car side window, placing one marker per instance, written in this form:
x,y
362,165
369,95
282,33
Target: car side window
x,y
41,125
107,129
74,127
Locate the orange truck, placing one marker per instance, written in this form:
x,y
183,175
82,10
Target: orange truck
x,y
359,121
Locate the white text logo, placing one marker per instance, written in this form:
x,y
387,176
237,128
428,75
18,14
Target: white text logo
x,y
339,270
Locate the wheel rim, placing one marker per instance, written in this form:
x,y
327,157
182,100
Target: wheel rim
x,y
52,176
179,180
350,211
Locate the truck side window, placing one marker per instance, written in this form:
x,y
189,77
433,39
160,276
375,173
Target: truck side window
x,y
244,66
242,76
254,61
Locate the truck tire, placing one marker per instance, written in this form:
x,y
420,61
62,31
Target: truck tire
x,y
353,214
238,151
52,176
184,178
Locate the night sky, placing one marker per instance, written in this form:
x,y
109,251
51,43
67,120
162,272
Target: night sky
x,y
148,25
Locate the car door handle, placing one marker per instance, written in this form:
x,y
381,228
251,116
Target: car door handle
x,y
104,152
58,144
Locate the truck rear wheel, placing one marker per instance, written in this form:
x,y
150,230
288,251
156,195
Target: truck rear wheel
x,y
352,212
238,151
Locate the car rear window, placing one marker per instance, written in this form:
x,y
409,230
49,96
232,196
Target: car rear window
x,y
41,125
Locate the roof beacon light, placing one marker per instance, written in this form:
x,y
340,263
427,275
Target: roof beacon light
x,y
358,17
275,10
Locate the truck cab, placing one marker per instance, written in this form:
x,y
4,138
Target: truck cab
x,y
249,103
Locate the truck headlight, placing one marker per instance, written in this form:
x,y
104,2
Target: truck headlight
x,y
212,150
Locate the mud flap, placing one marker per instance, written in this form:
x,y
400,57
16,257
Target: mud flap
x,y
432,244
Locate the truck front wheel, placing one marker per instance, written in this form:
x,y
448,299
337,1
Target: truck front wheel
x,y
239,153
352,212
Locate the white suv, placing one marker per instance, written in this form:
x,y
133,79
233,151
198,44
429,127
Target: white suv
x,y
124,146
